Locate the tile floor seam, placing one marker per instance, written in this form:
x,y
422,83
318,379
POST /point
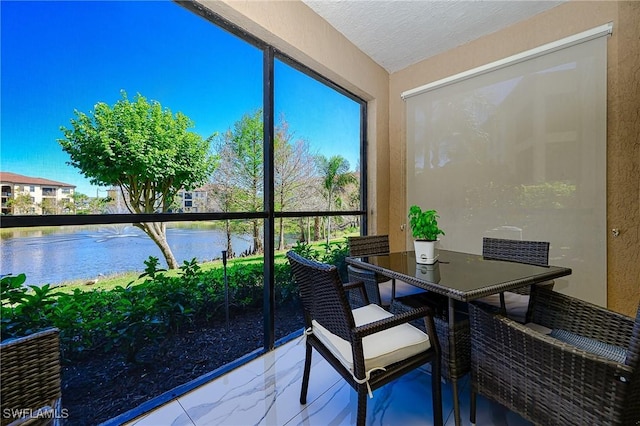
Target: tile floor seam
x,y
304,407
185,411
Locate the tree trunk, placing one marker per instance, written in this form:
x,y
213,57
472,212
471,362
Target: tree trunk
x,y
157,232
257,241
316,229
281,234
227,224
328,229
302,237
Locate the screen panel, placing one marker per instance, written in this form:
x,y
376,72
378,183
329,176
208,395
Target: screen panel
x,y
519,152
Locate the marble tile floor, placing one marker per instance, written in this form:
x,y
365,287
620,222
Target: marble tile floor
x,y
266,391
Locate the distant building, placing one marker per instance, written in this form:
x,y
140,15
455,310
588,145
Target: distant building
x,y
192,201
34,195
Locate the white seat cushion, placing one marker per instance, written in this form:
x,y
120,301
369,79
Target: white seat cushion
x,y
380,349
516,304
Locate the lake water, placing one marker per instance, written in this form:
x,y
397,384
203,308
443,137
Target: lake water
x,y
65,254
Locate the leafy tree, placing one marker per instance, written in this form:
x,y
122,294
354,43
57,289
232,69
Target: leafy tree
x,y
81,202
49,206
67,205
22,204
293,171
222,187
145,151
243,148
335,176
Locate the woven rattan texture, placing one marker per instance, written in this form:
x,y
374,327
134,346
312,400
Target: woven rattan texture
x,y
325,301
550,382
452,368
521,251
370,281
368,244
361,246
531,252
30,373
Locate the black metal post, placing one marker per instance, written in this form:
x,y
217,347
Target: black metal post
x,y
226,287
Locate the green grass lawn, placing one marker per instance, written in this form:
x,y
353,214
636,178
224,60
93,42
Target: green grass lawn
x,y
123,279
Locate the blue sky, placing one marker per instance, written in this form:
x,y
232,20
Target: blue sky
x,y
60,56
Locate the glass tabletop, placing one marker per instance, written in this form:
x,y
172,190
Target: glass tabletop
x,y
462,276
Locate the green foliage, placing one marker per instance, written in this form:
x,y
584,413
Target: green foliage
x,y
137,320
238,178
145,150
21,204
140,146
131,317
305,250
151,268
333,253
84,318
24,309
424,224
335,175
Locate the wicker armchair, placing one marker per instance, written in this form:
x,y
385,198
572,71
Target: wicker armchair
x,y
515,303
30,378
368,346
380,289
579,364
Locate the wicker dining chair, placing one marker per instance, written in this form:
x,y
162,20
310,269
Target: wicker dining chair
x,y
368,346
30,378
455,341
516,302
578,364
380,289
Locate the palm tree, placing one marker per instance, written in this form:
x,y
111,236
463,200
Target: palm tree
x,y
335,176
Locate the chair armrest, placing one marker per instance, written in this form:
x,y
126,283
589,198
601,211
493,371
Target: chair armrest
x,y
558,311
351,285
357,285
505,353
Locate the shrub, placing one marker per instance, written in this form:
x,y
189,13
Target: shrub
x,y
128,318
25,310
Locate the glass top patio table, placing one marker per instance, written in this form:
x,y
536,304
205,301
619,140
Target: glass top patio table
x,y
457,275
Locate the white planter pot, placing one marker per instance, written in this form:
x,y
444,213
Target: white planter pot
x,y
429,273
425,252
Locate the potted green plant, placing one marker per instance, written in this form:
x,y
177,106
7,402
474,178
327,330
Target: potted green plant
x,y
425,231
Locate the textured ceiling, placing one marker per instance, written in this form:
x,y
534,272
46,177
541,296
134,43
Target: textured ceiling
x,y
398,33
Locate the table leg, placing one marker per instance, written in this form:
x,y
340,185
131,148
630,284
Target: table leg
x,y
393,288
503,305
452,355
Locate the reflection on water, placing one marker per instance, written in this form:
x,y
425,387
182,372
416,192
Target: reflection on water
x,y
70,253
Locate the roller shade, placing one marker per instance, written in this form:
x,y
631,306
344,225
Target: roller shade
x,y
519,151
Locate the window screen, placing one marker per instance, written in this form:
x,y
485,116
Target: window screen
x,y
519,152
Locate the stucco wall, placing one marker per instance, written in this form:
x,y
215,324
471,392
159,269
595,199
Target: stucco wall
x,y
293,28
623,122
